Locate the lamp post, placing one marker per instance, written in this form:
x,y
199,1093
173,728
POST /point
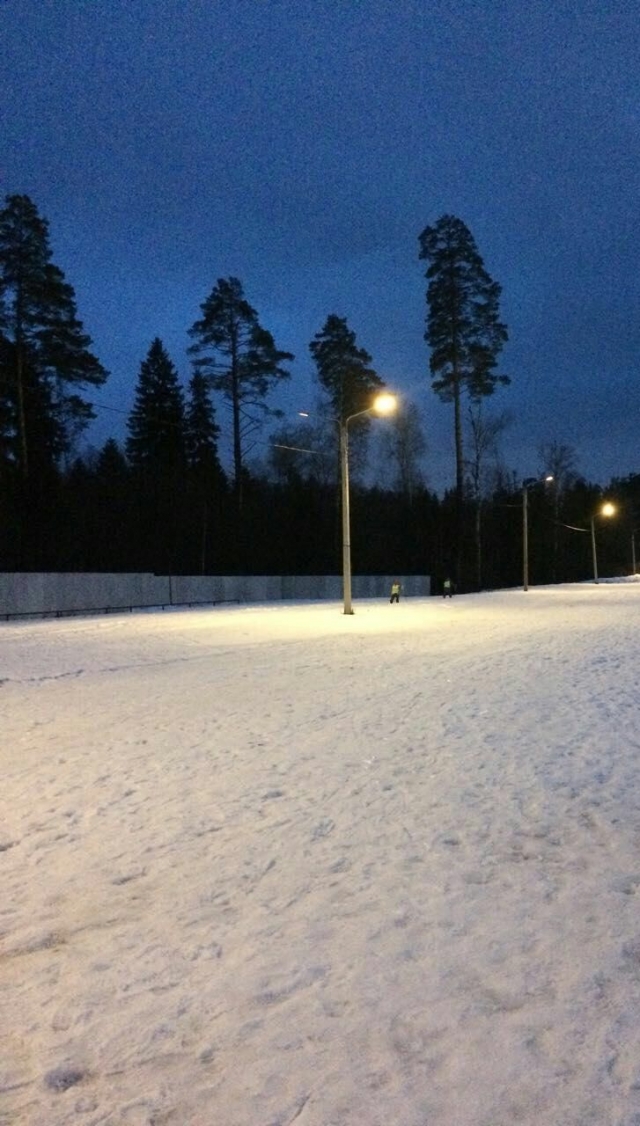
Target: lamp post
x,y
526,485
607,509
383,404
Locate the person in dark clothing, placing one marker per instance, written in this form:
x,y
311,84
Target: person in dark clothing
x,y
395,592
447,589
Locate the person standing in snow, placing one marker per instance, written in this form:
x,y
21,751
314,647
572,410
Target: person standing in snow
x,y
395,592
447,589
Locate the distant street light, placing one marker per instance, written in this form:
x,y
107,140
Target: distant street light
x,y
383,404
606,509
527,484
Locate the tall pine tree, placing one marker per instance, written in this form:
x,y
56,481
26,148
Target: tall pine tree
x,y
464,331
240,360
44,352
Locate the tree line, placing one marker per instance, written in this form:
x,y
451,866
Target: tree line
x,y
162,501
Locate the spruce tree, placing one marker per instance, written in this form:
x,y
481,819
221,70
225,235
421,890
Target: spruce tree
x,y
156,442
111,464
114,529
201,429
240,360
156,452
44,352
464,331
206,478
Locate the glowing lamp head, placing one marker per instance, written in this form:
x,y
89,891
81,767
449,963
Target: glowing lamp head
x,y
608,509
384,403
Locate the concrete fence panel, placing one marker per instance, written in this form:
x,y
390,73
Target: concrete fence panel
x,y
23,594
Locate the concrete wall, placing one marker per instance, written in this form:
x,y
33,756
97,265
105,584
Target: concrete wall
x,y
41,594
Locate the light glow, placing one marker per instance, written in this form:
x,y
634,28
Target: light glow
x,y
608,509
385,403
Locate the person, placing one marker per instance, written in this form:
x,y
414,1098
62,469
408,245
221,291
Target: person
x,y
395,591
447,589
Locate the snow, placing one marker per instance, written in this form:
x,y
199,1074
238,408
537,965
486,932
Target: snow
x,y
273,864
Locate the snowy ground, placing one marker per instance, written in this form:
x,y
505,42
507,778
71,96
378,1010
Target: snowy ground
x,y
263,866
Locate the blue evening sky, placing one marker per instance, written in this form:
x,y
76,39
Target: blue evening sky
x,y
303,145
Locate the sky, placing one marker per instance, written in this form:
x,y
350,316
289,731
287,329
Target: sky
x,y
304,147
244,881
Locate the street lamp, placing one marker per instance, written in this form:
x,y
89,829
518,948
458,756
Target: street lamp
x,y
526,485
383,404
606,509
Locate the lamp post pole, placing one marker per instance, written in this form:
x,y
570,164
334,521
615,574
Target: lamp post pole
x,y
593,550
525,536
384,403
607,509
346,523
526,484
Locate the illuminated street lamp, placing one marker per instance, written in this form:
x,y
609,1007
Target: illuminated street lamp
x,y
383,404
606,509
526,485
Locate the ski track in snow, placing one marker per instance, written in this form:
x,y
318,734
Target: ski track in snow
x,y
273,865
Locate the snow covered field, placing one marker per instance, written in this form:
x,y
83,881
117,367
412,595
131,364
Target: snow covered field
x,y
272,865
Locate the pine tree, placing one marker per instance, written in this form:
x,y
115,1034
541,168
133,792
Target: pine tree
x,y
350,383
344,370
240,360
44,351
463,329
